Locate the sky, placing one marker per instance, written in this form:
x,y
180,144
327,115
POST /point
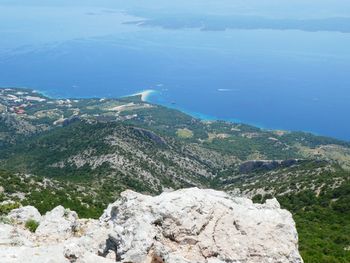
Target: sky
x,y
50,20
271,8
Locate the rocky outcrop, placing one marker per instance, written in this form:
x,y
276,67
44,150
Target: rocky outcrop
x,y
189,225
58,224
23,214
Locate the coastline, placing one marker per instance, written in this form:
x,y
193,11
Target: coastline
x,y
206,117
145,94
198,115
148,94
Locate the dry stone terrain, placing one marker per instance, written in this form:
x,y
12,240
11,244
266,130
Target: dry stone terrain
x,y
189,225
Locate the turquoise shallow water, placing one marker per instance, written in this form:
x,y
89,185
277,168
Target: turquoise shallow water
x,y
282,79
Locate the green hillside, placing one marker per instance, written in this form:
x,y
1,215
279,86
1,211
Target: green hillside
x,y
82,153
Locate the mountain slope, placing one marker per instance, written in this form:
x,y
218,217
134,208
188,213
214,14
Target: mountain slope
x,y
83,153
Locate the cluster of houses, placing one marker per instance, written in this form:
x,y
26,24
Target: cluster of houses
x,y
17,102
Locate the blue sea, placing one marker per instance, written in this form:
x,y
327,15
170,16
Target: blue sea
x,y
265,65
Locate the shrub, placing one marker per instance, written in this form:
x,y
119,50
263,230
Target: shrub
x,y
5,220
5,208
31,225
257,198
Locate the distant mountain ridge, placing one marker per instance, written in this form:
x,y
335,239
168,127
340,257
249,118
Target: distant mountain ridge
x,y
221,23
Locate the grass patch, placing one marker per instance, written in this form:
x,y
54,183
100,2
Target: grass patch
x,y
32,225
8,207
184,133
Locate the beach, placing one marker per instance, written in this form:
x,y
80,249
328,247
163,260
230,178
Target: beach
x,y
144,94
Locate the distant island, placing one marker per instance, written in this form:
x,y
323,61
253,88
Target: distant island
x,y
221,23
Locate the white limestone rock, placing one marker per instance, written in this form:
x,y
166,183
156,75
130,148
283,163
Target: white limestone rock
x,y
33,254
58,224
14,236
23,214
185,226
194,225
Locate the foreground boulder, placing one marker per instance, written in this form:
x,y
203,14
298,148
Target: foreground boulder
x,y
58,224
189,225
23,214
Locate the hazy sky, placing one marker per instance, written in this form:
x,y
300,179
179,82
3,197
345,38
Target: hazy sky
x,y
272,8
25,22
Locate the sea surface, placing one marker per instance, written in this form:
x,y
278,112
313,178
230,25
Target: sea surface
x,y
276,73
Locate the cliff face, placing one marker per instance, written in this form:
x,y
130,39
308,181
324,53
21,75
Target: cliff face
x,y
189,225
